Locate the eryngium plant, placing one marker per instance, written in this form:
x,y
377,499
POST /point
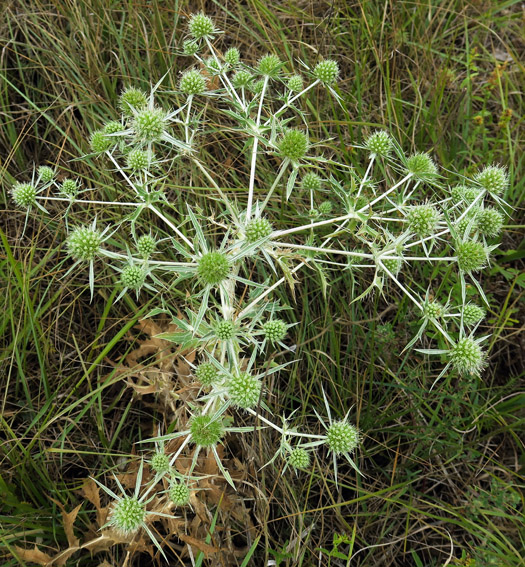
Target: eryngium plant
x,y
378,225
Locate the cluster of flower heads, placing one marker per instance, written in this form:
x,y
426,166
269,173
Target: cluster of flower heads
x,y
388,228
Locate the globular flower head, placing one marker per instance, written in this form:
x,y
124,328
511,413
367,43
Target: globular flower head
x,y
342,437
232,56
24,194
422,220
462,193
379,143
433,310
179,494
457,193
128,515
295,83
113,127
132,100
244,390
489,222
493,179
225,330
299,459
160,462
269,66
149,124
472,256
146,245
138,160
190,47
467,356
311,182
257,229
473,314
213,267
133,277
69,187
242,79
213,66
84,243
100,142
206,374
393,265
465,226
327,71
201,26
205,431
257,87
421,167
46,173
293,144
325,208
275,330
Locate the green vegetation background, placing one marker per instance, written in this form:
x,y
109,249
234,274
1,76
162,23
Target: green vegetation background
x,y
444,471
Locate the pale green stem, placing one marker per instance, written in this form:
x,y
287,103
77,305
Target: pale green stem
x,y
225,77
82,201
287,104
282,431
284,166
268,291
326,250
363,181
279,233
446,231
254,154
116,255
421,258
406,178
401,286
187,121
219,190
171,225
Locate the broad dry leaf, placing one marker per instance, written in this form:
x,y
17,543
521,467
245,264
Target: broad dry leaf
x,y
33,555
199,544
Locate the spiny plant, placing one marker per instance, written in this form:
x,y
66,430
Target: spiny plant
x,y
379,223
